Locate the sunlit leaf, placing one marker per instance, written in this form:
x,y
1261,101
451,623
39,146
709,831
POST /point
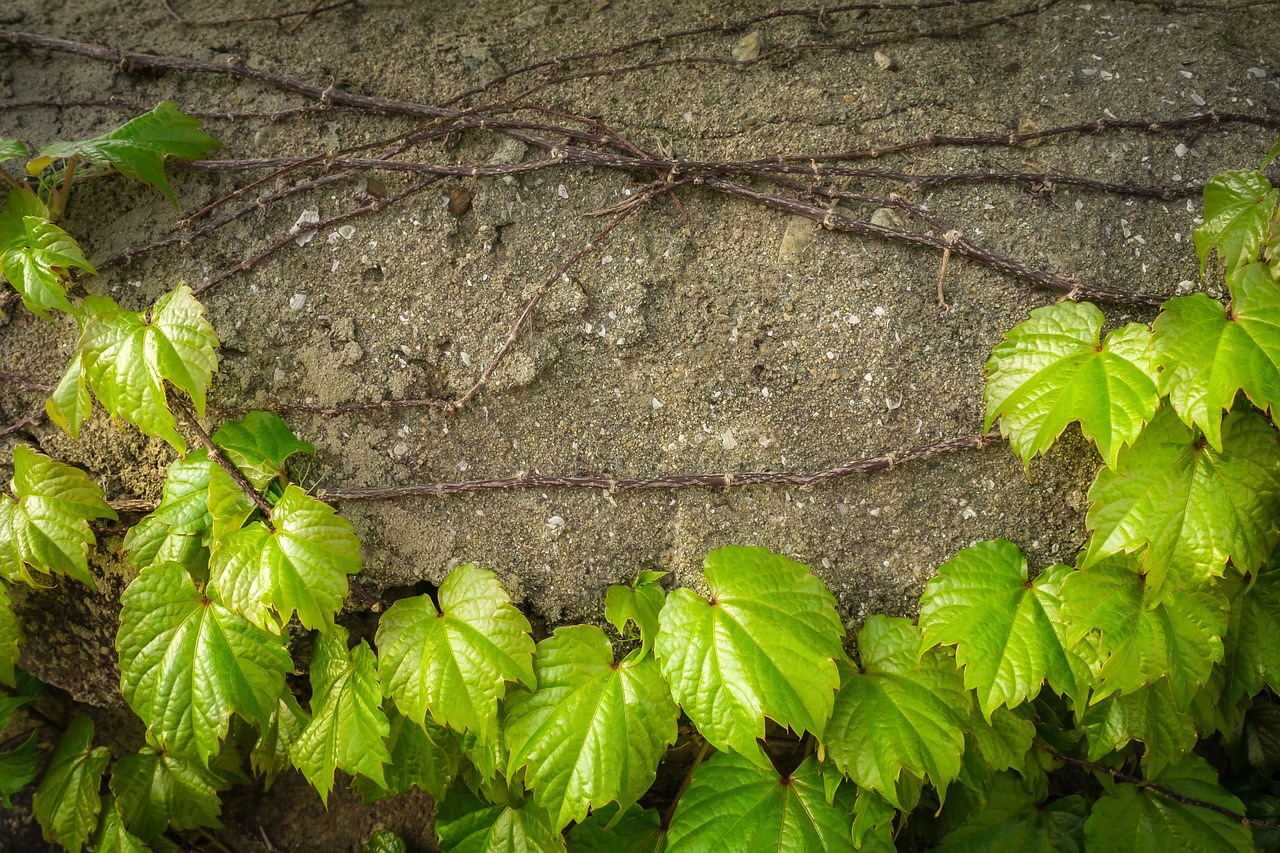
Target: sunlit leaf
x,y
37,259
258,445
1050,370
70,405
12,149
638,604
594,730
764,645
455,662
173,527
1237,205
66,802
112,835
187,663
10,639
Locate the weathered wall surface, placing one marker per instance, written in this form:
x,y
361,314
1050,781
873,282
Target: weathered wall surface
x,y
738,339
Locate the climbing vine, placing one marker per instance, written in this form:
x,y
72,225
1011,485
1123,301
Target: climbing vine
x,y
1055,708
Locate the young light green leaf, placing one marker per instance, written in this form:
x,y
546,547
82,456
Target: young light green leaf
x,y
47,527
1251,657
18,768
180,520
639,830
302,565
348,728
229,506
10,640
455,662
12,149
1011,823
1237,205
1192,506
765,645
639,604
594,730
1150,715
270,754
70,405
735,806
157,790
1130,818
465,824
128,357
903,711
138,148
1008,635
66,802
258,445
112,835
384,841
1050,371
1207,355
187,662
1144,637
37,261
426,758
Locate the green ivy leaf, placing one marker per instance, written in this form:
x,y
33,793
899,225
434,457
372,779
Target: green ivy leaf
x,y
384,841
169,532
10,640
1050,371
1005,741
1144,637
12,149
765,645
639,830
640,603
1007,631
423,758
1237,205
36,258
270,754
1208,355
66,802
873,819
1150,715
70,405
1130,817
156,790
733,804
1192,506
258,445
594,730
1251,658
302,565
128,357
112,836
903,711
229,507
187,663
456,662
1010,822
347,728
138,148
464,824
47,527
18,768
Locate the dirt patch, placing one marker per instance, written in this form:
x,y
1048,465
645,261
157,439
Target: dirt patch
x,y
739,339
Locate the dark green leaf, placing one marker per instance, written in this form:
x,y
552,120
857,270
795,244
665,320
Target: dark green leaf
x,y
112,836
12,149
270,755
1251,657
138,148
1012,824
258,445
156,790
1237,205
18,768
640,603
1131,818
1050,371
187,663
10,640
47,527
594,731
464,824
66,802
1191,506
384,841
1008,634
638,831
456,662
765,645
1150,715
735,805
423,758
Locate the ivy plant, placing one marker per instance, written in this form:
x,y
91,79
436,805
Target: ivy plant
x,y
1046,708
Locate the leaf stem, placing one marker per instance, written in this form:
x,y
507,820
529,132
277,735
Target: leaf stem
x,y
14,182
216,455
1121,776
684,786
58,198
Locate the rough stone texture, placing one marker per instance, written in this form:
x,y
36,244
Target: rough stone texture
x,y
737,340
